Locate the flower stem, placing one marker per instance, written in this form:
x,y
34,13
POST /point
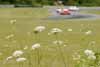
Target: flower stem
x,y
30,64
60,51
37,51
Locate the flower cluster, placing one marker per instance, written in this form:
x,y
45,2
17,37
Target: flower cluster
x,y
56,30
21,59
17,53
35,46
9,36
13,21
39,29
90,54
69,29
8,58
58,42
88,59
88,32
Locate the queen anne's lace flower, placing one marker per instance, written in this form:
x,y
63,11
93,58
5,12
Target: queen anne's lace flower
x,y
92,57
8,58
21,59
69,30
9,36
89,52
17,53
34,46
39,29
13,21
88,32
58,42
56,30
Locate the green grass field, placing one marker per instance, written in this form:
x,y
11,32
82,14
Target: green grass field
x,y
50,56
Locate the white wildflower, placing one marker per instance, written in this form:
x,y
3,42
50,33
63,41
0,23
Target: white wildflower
x,y
13,21
34,46
39,28
9,36
76,56
58,42
8,58
17,53
69,30
21,59
89,52
56,30
92,57
88,32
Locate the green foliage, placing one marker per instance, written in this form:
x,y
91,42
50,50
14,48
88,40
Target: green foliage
x,y
88,2
51,2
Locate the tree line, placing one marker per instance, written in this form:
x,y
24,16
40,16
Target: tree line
x,y
51,2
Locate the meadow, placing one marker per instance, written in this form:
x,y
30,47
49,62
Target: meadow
x,y
64,47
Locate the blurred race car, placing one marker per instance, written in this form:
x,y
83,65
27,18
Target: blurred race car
x,y
63,11
67,11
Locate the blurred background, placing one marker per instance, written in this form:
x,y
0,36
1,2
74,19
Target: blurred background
x,y
41,3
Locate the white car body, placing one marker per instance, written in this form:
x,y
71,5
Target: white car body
x,y
63,11
67,11
73,8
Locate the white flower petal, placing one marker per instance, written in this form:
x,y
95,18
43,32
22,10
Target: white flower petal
x,y
92,57
10,57
39,28
21,59
13,21
34,46
89,52
17,53
58,42
9,36
88,32
56,30
69,30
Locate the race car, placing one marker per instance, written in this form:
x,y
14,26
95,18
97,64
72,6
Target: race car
x,y
63,11
67,11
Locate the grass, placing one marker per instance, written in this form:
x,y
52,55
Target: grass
x,y
27,20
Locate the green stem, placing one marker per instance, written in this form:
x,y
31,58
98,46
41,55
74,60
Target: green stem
x,y
60,51
37,51
30,64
